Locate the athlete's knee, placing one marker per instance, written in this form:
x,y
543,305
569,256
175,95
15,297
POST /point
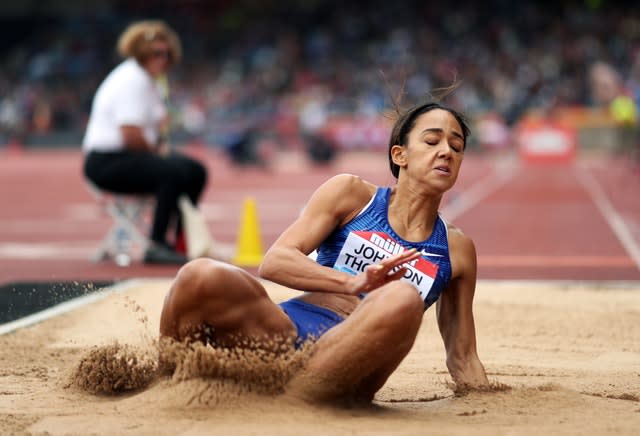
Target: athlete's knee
x,y
199,277
183,291
182,298
399,305
196,294
193,271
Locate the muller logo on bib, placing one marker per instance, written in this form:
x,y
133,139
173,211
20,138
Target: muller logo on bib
x,y
366,248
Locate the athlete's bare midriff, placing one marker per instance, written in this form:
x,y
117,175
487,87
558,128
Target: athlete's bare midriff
x,y
341,304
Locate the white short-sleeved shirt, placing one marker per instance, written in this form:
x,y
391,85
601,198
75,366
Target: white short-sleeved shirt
x,y
128,96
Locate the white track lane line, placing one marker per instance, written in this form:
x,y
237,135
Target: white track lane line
x,y
67,306
610,214
51,250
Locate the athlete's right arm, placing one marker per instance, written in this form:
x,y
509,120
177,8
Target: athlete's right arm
x,y
333,204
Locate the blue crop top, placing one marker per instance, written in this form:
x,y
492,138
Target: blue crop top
x,y
368,238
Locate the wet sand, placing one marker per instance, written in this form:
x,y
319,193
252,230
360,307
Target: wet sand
x,y
566,359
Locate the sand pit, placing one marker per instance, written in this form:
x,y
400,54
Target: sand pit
x,y
567,357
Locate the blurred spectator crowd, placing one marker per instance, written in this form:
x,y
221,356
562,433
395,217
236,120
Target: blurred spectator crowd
x,y
287,68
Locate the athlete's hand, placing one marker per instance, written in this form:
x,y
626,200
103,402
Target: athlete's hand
x,y
383,272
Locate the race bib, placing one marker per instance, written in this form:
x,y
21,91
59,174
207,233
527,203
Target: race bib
x,y
366,248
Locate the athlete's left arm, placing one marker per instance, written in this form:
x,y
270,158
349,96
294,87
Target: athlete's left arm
x,y
454,311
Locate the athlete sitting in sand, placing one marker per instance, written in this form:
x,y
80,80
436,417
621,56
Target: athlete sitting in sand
x,y
384,256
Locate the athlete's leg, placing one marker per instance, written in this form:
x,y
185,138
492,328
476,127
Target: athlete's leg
x,y
222,301
354,359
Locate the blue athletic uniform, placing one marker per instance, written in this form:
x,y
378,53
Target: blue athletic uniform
x,y
365,240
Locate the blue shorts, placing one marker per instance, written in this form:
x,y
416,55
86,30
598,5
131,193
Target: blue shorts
x,y
310,320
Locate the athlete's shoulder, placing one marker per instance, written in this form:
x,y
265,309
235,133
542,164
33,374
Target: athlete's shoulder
x,y
462,251
452,228
350,184
344,195
458,238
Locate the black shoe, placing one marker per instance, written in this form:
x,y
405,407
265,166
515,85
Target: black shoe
x,y
160,254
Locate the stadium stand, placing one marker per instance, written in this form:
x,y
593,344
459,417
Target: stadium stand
x,y
260,65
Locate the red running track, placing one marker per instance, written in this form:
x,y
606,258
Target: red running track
x,y
575,222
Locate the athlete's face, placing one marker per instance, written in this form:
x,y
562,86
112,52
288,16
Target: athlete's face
x,y
435,149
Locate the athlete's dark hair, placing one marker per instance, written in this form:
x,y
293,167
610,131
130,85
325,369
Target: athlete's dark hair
x,y
406,121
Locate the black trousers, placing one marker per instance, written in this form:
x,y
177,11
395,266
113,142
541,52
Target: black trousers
x,y
167,177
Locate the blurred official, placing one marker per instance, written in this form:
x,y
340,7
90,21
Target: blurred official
x,y
125,141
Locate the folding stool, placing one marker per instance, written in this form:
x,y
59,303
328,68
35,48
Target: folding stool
x,y
129,213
